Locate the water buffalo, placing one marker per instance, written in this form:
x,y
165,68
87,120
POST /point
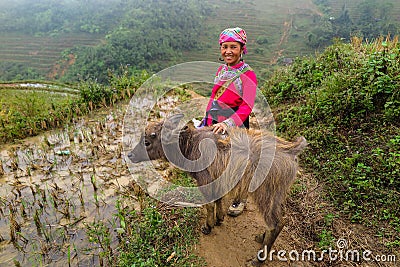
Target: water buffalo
x,y
238,157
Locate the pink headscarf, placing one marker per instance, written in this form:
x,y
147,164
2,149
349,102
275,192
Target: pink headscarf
x,y
234,35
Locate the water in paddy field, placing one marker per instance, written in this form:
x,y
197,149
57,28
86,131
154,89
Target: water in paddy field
x,y
56,186
60,192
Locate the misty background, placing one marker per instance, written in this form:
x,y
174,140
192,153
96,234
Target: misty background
x,y
71,40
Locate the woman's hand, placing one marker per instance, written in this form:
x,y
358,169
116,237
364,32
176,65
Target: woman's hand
x,y
220,128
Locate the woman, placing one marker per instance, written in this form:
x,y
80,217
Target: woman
x,y
233,95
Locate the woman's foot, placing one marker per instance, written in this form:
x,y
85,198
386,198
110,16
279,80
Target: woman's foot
x,y
236,208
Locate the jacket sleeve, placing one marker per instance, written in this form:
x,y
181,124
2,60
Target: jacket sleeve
x,y
249,87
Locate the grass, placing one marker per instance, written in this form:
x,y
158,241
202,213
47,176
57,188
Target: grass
x,y
29,111
159,235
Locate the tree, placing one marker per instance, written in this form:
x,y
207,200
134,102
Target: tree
x,y
374,19
151,36
343,24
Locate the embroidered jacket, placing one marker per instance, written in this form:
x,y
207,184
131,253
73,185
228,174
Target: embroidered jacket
x,y
238,97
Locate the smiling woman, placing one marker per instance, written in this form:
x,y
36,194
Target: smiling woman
x,y
231,52
233,95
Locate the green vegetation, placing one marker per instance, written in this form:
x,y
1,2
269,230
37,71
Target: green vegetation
x,y
63,16
39,57
346,102
367,19
35,33
151,36
18,71
159,236
27,111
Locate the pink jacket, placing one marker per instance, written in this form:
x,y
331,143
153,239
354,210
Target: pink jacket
x,y
239,96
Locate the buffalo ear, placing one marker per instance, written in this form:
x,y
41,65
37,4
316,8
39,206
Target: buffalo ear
x,y
173,121
170,130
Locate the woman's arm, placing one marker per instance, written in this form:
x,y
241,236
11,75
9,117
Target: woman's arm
x,y
249,87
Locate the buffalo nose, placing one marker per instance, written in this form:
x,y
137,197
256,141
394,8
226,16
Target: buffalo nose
x,y
131,155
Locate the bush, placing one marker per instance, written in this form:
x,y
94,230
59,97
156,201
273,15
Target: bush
x,y
346,103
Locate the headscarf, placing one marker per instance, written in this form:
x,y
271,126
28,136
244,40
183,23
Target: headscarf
x,y
234,35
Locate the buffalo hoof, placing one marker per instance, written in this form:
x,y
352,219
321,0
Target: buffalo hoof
x,y
253,263
260,238
206,229
219,222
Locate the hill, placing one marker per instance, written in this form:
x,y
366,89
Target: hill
x,y
38,55
335,8
144,35
275,29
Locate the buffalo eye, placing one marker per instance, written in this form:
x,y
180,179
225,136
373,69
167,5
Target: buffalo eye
x,y
153,135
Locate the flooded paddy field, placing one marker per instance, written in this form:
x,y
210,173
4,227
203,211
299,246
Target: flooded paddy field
x,y
60,194
66,195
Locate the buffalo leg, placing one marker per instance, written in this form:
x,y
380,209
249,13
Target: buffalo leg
x,y
220,211
267,239
210,221
271,234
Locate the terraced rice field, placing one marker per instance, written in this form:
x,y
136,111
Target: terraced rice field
x,y
42,52
58,198
60,193
352,5
282,23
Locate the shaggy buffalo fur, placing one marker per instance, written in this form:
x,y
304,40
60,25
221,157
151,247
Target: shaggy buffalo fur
x,y
240,157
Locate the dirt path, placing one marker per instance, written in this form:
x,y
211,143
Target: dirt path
x,y
59,69
287,26
232,244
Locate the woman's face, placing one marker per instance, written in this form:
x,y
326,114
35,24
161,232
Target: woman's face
x,y
230,52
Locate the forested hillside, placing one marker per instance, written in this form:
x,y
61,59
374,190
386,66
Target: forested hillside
x,y
46,17
151,36
74,40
